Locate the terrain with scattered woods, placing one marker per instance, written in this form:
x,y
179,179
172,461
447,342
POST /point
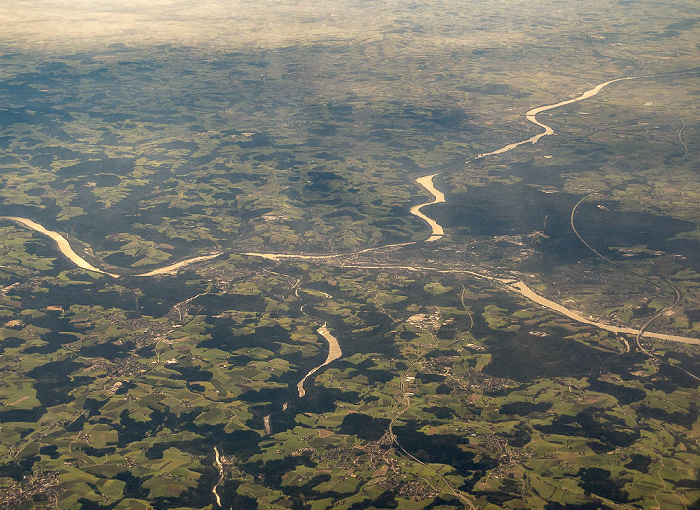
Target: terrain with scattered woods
x,y
264,300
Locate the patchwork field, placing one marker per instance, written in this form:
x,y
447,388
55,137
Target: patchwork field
x,y
244,173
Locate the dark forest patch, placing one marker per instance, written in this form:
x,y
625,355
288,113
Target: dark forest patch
x,y
639,463
364,426
524,357
623,394
590,424
524,408
599,482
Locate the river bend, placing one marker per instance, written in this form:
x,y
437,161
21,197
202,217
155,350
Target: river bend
x,y
531,115
65,248
62,243
438,197
334,353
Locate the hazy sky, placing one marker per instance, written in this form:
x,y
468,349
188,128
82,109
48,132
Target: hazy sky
x,y
546,35
76,23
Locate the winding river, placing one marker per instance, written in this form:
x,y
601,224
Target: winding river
x,y
439,197
280,256
525,291
513,285
437,233
61,242
531,115
220,467
521,288
65,248
334,353
174,268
